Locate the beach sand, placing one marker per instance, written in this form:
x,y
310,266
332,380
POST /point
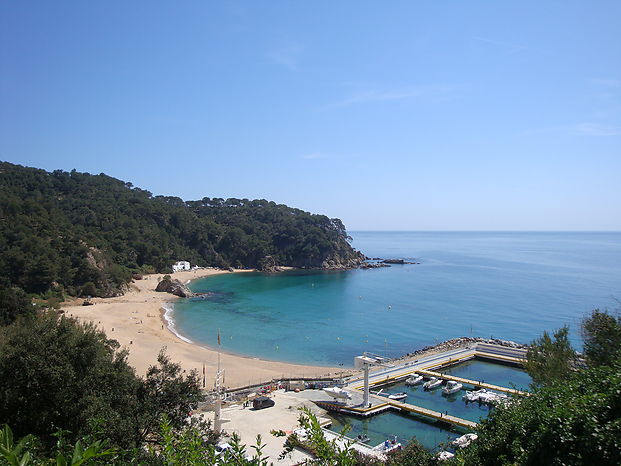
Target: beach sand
x,y
136,321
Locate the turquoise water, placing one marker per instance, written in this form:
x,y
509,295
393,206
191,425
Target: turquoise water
x,y
387,425
506,285
496,374
379,428
433,399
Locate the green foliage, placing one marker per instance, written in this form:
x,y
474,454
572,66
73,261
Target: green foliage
x,y
574,421
88,233
326,452
77,455
550,359
414,454
601,333
13,303
167,392
11,453
182,447
56,373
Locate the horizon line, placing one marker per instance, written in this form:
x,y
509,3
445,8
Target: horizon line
x,y
483,231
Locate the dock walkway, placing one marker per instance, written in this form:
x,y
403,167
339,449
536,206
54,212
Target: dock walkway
x,y
433,414
380,405
474,383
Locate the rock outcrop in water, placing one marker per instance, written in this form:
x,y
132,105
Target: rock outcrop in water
x,y
268,264
173,286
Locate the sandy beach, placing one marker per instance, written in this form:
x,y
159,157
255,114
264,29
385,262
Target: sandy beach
x,y
135,321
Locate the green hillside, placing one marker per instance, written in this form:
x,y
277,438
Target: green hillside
x,y
76,233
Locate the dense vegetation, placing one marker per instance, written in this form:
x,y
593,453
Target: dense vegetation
x,y
572,418
56,373
82,234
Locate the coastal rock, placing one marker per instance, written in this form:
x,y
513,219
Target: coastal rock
x,y
338,262
373,265
268,264
398,261
461,342
173,286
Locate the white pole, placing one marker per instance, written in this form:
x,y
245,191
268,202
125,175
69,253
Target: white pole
x,y
365,400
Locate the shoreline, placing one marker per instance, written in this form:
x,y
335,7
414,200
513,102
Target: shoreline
x,y
137,321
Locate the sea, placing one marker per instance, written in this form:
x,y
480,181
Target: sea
x,y
507,285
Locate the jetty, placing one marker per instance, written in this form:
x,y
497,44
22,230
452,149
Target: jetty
x,y
365,403
496,353
474,383
380,405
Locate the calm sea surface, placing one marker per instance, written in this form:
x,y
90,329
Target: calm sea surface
x,y
506,285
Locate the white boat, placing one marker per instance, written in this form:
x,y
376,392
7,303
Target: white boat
x,y
362,438
398,396
474,395
432,383
492,398
338,393
464,440
489,398
444,455
414,380
451,387
388,446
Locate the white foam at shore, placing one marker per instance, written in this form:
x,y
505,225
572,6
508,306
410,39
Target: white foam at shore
x,y
170,322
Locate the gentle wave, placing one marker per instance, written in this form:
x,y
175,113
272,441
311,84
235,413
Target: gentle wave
x,y
170,322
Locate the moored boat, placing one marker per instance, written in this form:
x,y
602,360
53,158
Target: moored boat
x,y
474,395
398,396
388,446
414,380
451,387
444,455
464,440
432,383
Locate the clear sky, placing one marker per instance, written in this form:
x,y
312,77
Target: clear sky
x,y
404,115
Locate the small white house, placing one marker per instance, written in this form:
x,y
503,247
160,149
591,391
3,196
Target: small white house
x,y
181,265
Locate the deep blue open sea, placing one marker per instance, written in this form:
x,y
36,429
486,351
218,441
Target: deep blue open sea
x,y
506,285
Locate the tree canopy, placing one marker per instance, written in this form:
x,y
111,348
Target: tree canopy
x,y
550,359
601,333
57,373
575,420
85,234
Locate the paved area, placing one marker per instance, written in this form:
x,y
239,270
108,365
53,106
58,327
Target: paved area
x,y
248,423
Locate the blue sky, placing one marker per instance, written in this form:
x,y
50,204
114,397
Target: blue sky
x,y
395,115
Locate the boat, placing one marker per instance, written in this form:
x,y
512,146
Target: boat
x,y
362,438
473,395
492,398
398,396
444,455
388,446
432,383
464,440
338,393
489,398
451,387
414,380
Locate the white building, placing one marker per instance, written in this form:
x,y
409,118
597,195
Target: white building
x,y
181,265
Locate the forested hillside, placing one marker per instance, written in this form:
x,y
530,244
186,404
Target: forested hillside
x,y
82,234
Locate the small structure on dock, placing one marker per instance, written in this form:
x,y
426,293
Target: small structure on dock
x,y
364,362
